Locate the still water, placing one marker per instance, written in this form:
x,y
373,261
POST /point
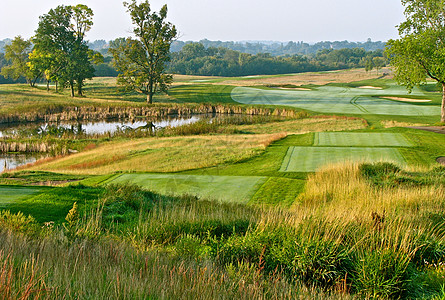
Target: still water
x,y
92,127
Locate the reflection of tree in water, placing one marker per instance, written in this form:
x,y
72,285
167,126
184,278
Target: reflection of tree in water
x,y
150,127
12,161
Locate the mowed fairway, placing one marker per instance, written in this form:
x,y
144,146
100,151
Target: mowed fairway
x,y
310,159
223,188
332,99
361,139
9,194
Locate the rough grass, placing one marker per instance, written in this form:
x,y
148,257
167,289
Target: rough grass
x,y
170,154
310,159
223,188
304,125
359,139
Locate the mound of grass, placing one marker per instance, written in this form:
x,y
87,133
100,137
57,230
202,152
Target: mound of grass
x,y
359,139
224,188
309,159
170,154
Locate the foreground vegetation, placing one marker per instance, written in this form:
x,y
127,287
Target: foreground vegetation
x,y
352,231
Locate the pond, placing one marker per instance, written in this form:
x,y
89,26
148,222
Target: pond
x,y
94,127
9,161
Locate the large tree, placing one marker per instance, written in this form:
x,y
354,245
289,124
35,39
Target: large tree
x,y
61,47
141,61
419,53
17,53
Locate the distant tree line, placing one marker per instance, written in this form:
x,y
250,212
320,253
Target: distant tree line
x,y
280,49
196,59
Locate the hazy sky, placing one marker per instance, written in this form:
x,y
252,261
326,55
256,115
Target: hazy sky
x,y
277,20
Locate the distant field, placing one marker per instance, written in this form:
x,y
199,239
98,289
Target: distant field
x,y
224,188
361,139
336,99
309,159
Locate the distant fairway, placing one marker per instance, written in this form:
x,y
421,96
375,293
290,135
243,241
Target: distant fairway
x,y
309,159
224,188
9,194
332,99
361,139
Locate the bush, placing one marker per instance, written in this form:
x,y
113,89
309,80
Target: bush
x,y
381,273
18,222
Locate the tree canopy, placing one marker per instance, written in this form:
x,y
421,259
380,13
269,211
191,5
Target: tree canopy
x,y
17,53
419,53
60,46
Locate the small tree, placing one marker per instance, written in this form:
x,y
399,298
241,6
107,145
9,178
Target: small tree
x,y
420,51
18,55
141,61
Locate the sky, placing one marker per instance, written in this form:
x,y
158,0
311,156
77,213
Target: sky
x,y
228,20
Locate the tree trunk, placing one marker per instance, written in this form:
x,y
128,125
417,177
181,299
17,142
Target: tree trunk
x,y
47,85
442,110
72,88
79,88
149,98
57,86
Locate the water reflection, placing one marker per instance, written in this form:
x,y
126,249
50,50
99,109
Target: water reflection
x,y
11,161
93,128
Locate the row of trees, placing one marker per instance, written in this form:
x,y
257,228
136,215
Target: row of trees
x,y
280,49
57,52
196,59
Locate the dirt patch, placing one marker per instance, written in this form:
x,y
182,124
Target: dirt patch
x,y
436,129
406,99
370,87
52,182
441,160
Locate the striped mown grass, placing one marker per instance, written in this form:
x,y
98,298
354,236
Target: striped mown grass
x,y
310,159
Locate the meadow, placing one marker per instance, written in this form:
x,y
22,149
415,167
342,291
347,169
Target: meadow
x,y
312,187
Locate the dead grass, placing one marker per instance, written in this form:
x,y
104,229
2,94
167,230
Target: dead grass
x,y
340,192
301,126
391,123
171,154
316,78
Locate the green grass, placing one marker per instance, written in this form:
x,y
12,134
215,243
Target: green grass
x,y
223,188
202,93
278,191
360,139
9,194
342,100
309,159
53,204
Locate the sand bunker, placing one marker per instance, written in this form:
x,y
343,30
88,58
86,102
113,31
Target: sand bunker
x,y
370,87
293,89
407,99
